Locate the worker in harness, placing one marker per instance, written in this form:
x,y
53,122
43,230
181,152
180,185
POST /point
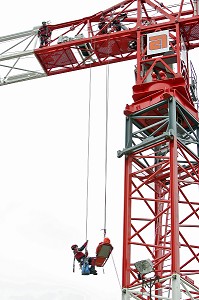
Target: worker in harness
x,y
83,259
102,24
116,23
44,33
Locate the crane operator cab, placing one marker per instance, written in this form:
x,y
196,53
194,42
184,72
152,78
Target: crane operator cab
x,y
85,49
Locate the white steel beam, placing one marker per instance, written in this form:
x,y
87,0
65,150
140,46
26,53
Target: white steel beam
x,y
22,77
16,55
19,34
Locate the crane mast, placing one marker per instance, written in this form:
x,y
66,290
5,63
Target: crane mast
x,y
161,153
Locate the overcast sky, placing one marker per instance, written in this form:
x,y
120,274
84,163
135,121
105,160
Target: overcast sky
x,y
43,168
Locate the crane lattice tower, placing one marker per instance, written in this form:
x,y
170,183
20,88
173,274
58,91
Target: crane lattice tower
x,y
161,153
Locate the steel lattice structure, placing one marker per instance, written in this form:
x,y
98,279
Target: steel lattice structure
x,y
161,203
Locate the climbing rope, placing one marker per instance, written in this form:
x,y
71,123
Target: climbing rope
x,y
88,153
116,272
88,142
106,148
106,140
88,147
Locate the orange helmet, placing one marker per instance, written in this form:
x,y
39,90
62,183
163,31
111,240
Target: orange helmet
x,y
107,240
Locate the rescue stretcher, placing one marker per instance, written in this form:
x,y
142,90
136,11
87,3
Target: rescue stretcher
x,y
103,252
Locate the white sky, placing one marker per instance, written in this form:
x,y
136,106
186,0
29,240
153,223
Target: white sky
x,y
43,171
43,168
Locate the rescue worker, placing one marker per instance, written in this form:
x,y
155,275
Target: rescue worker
x,y
44,33
80,256
102,24
117,25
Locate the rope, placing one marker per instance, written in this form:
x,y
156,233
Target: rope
x,y
88,144
106,140
116,272
88,153
106,147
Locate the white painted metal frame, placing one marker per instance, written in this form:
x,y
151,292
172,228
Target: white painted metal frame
x,y
17,59
173,287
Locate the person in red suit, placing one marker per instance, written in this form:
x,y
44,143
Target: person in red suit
x,y
44,33
80,256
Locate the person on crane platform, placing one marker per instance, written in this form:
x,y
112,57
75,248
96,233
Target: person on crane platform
x,y
80,257
116,23
102,24
44,33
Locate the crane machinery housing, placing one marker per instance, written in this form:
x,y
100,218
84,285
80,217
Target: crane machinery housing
x,y
161,152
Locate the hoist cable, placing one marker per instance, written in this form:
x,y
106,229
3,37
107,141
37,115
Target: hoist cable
x,y
106,147
88,145
88,148
116,272
88,153
106,140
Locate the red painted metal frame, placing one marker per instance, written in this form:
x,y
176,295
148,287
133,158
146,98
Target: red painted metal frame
x,y
157,209
113,47
158,227
60,58
154,195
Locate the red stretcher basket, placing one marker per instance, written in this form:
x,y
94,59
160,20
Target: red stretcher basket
x,y
102,254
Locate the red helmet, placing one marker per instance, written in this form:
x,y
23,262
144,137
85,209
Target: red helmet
x,y
74,246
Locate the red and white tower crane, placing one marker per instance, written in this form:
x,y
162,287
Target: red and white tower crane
x,y
161,153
